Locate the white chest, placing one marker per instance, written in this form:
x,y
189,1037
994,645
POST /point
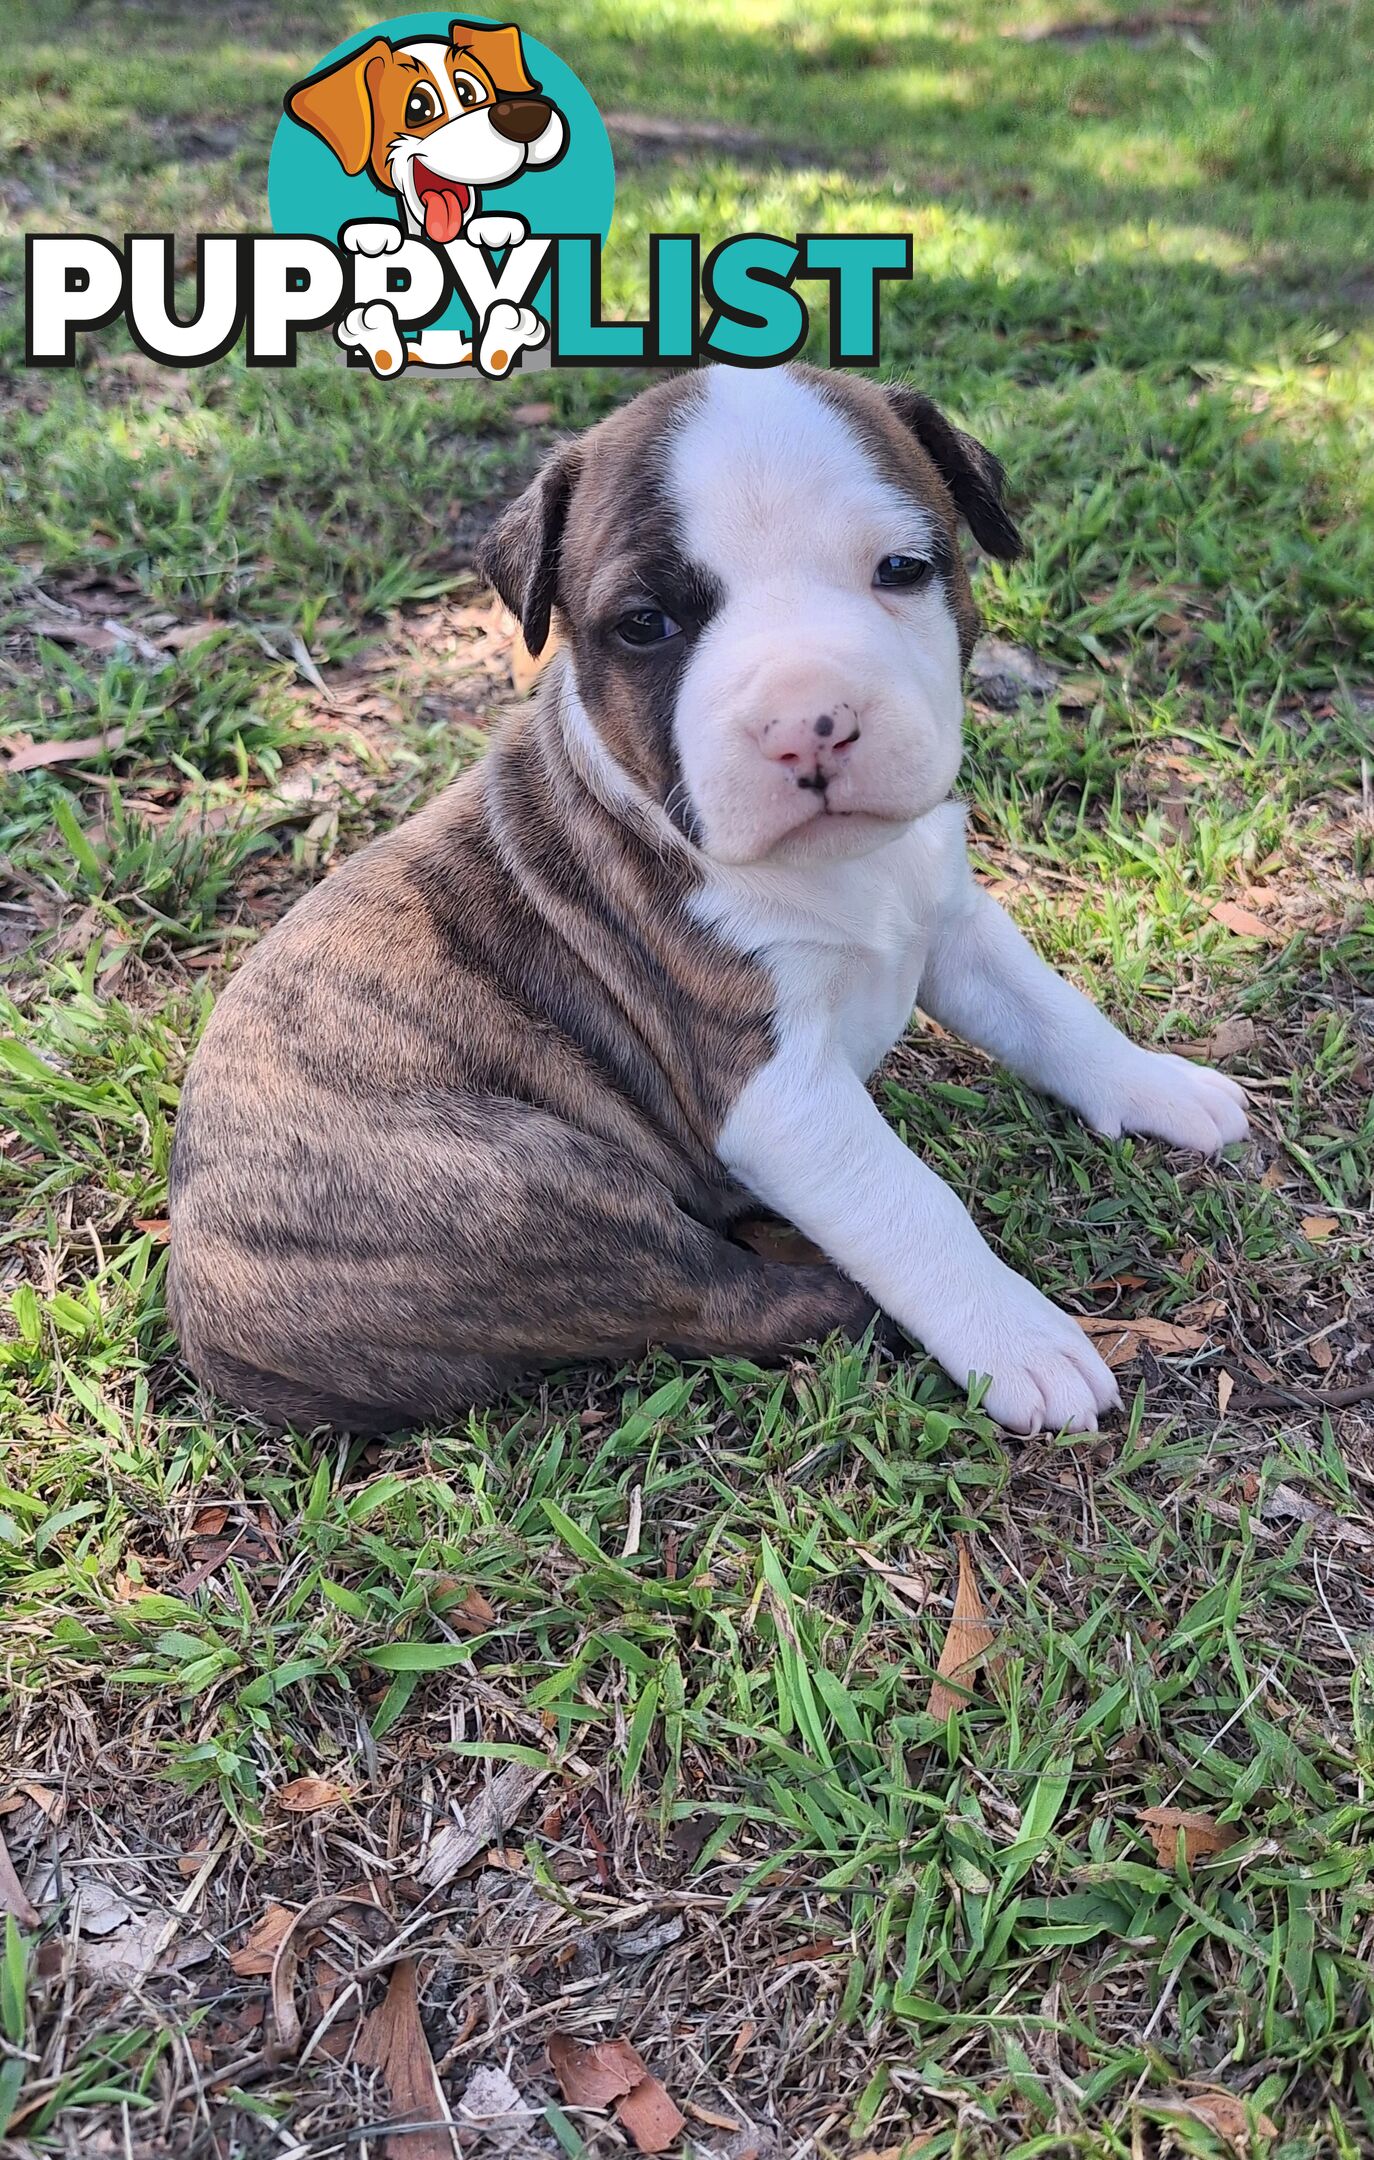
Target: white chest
x,y
845,942
876,996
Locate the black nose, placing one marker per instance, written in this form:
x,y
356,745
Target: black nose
x,y
522,119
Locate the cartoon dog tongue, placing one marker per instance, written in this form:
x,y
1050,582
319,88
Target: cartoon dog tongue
x,y
444,214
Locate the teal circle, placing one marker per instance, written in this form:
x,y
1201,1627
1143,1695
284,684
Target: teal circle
x,y
308,190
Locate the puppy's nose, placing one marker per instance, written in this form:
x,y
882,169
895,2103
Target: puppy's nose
x,y
521,119
813,746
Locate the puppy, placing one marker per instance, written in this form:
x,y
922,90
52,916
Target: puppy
x,y
434,124
491,1098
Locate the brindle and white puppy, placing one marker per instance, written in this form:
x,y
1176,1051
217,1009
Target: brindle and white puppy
x,y
492,1097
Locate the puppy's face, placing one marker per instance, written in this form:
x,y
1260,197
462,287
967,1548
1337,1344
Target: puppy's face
x,y
433,122
760,580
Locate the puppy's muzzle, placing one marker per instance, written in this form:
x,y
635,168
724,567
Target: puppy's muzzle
x,y
812,748
521,119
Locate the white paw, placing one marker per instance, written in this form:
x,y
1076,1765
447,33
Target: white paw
x,y
371,236
492,230
1169,1097
507,332
374,329
1045,1374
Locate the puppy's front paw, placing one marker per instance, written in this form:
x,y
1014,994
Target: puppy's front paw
x,y
1045,1374
1172,1099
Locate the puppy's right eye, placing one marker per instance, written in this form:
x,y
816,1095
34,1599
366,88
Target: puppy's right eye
x,y
421,106
903,573
647,626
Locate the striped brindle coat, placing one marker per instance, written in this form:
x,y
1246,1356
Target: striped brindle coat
x,y
492,1097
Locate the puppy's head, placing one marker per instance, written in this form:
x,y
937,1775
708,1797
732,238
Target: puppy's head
x,y
760,581
433,122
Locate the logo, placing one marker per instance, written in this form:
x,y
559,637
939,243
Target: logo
x,y
440,191
445,156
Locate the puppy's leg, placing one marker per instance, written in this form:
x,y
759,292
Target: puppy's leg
x,y
393,1274
983,981
807,1138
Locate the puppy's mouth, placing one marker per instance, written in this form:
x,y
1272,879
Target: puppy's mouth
x,y
443,203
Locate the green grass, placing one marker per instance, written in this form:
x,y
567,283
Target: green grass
x,y
1143,275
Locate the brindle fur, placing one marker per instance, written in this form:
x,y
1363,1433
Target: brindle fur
x,y
455,1118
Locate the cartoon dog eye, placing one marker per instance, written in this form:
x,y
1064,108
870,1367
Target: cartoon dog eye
x,y
422,106
468,91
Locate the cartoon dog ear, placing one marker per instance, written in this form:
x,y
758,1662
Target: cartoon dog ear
x,y
520,553
972,474
497,48
337,105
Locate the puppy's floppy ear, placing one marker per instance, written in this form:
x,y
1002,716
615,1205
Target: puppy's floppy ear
x,y
497,48
520,553
337,105
972,474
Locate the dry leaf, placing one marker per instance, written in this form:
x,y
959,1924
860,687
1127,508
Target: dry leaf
x,y
532,415
188,635
145,1946
393,2041
1225,2112
611,2073
13,1896
1232,1039
1120,1341
1241,923
651,2116
1201,1310
30,757
1002,672
307,1795
594,2073
967,1643
1317,1227
1200,1835
1226,1388
1285,1503
909,1588
265,1937
491,2099
157,1227
100,1909
210,1520
52,1803
471,1611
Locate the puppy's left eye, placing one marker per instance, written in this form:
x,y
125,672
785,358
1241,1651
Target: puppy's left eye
x,y
647,626
903,573
421,105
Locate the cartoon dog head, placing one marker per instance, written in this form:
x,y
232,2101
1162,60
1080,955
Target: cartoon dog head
x,y
434,122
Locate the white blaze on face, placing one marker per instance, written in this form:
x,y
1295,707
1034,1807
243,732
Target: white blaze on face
x,y
783,504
